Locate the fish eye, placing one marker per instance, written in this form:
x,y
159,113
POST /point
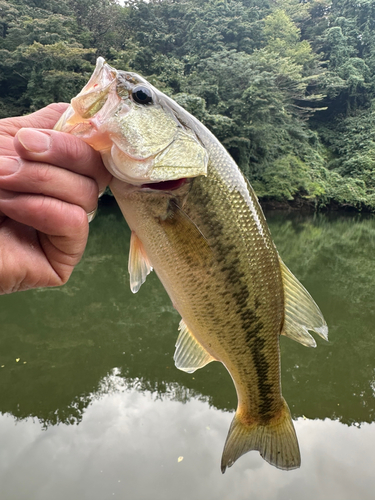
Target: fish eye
x,y
142,95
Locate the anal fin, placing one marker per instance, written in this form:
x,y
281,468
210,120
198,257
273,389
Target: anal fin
x,y
189,354
139,266
301,312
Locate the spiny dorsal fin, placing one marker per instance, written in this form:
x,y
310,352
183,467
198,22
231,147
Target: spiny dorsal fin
x,y
189,354
139,266
301,312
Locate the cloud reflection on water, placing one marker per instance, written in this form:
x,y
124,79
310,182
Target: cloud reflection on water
x,y
128,444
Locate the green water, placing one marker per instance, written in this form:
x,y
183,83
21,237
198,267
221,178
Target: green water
x,y
92,406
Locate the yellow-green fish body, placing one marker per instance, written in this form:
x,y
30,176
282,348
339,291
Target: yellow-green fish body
x,y
196,221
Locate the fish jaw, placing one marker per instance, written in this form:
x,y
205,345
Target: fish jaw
x,y
125,168
92,100
89,112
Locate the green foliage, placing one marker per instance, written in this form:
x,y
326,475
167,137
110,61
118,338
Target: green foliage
x,y
289,176
286,86
351,141
44,74
27,30
56,74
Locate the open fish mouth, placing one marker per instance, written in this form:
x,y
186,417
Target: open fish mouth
x,y
165,185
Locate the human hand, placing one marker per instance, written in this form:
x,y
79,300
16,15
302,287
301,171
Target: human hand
x,y
49,182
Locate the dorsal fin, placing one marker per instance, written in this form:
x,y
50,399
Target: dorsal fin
x,y
139,266
301,312
189,354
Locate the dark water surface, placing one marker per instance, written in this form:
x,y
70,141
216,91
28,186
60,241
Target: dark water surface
x,y
92,406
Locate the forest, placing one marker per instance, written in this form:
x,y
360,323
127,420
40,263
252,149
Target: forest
x,y
287,86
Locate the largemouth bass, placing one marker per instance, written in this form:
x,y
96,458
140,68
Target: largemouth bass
x,y
197,222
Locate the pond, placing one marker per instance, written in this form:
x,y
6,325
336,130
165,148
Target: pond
x,y
92,406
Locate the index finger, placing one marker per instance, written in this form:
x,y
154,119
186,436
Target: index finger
x,y
44,118
62,150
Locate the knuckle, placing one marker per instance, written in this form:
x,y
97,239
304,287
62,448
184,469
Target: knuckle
x,y
92,191
81,219
42,175
60,107
71,149
77,221
42,204
87,193
74,150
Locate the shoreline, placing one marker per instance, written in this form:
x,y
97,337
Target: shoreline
x,y
304,205
297,205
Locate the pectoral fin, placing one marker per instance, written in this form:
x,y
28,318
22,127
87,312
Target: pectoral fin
x,y
301,312
186,238
139,266
190,355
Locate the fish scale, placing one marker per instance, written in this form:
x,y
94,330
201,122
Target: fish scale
x,y
197,222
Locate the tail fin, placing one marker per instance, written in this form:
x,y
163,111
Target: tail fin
x,y
276,441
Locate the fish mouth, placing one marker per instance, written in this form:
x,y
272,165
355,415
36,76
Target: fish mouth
x,y
165,185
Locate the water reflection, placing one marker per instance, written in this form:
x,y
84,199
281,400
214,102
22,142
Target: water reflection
x,y
333,256
129,444
92,350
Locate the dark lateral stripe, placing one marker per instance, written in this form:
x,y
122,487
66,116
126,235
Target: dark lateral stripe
x,y
237,292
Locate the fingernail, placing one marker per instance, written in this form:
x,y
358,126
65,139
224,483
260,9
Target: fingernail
x,y
34,140
8,165
6,195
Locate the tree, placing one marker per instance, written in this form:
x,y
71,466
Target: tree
x,y
279,83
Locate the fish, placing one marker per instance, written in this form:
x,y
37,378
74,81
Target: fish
x,y
196,221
